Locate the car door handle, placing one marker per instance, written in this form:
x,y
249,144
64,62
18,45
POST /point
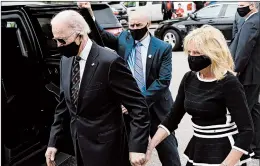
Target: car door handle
x,y
211,21
132,10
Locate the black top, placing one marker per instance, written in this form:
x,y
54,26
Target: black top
x,y
212,102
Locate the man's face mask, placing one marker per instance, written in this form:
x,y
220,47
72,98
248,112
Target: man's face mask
x,y
69,50
243,11
138,34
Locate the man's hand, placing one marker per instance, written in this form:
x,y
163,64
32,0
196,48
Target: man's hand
x,y
50,156
86,5
124,110
137,159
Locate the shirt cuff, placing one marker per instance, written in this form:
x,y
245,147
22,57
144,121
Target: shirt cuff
x,y
94,19
163,127
241,150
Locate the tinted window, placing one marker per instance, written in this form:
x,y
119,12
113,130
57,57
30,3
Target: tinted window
x,y
209,12
105,17
157,2
231,11
142,3
44,22
130,4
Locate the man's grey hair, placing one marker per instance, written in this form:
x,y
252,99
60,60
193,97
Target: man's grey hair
x,y
255,3
73,20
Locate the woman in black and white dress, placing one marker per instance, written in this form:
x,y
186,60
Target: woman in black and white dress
x,y
215,99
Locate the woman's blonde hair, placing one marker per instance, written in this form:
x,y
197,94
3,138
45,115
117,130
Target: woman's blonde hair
x,y
211,42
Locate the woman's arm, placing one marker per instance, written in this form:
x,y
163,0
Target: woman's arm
x,y
171,121
236,103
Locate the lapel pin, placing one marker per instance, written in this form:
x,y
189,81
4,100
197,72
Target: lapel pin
x,y
92,64
149,56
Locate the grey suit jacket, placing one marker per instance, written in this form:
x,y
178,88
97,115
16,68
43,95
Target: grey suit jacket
x,y
238,22
245,49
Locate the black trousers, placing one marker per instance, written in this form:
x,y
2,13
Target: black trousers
x,y
252,94
167,15
167,149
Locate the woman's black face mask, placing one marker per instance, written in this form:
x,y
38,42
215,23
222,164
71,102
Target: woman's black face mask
x,y
197,63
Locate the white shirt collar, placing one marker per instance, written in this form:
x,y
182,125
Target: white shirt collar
x,y
146,41
250,15
85,52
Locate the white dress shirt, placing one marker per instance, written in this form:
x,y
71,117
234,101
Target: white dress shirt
x,y
84,56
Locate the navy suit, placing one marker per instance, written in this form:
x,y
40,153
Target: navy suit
x,y
158,78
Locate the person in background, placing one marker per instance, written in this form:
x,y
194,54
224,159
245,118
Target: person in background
x,y
245,49
167,9
179,11
91,93
150,61
215,99
199,5
237,24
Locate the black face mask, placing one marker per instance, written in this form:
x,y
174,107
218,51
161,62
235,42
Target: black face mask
x,y
197,63
138,34
69,50
243,11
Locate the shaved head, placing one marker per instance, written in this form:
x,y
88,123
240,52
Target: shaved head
x,y
140,18
139,15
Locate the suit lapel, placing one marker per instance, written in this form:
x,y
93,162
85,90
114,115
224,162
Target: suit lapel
x,y
67,76
129,46
150,56
90,68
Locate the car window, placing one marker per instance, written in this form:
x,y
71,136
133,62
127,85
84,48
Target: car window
x,y
105,17
209,11
231,10
44,21
130,4
142,3
157,2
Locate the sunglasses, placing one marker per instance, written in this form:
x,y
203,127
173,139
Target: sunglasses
x,y
63,40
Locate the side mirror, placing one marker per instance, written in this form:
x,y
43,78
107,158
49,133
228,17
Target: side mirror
x,y
193,16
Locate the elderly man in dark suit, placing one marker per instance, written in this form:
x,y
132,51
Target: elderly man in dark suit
x,y
150,61
94,82
245,49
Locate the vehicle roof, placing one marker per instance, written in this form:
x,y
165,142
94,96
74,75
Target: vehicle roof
x,y
21,3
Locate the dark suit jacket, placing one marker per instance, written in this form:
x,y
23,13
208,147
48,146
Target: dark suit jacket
x,y
158,68
97,126
237,24
245,49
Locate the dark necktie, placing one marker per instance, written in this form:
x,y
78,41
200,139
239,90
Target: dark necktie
x,y
75,80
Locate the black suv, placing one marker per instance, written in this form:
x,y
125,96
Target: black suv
x,y
221,15
30,81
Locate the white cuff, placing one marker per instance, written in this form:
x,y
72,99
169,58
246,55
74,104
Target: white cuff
x,y
93,17
239,149
163,127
